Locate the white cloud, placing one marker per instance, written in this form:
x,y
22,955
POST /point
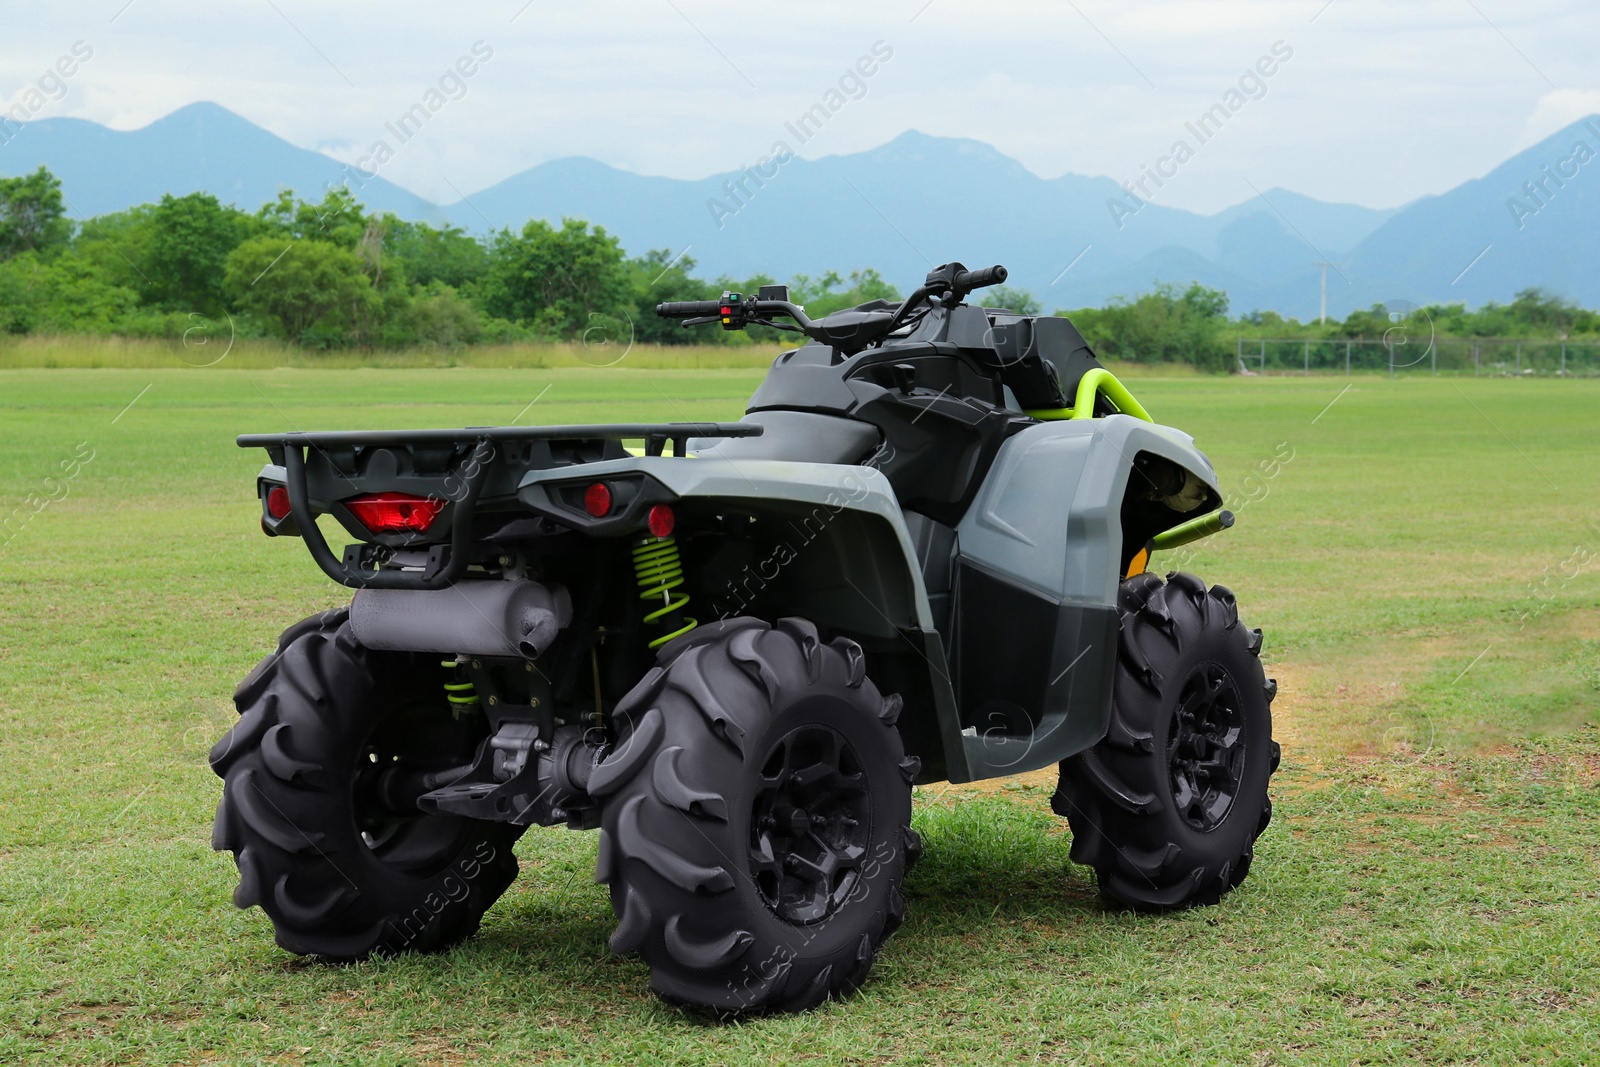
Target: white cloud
x,y
1381,104
1558,109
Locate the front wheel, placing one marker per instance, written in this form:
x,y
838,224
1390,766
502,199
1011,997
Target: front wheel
x,y
757,818
1167,807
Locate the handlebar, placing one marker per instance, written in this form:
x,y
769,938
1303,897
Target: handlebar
x,y
946,285
949,282
734,309
968,280
688,309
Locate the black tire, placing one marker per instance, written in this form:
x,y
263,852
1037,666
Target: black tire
x,y
1167,807
341,874
746,736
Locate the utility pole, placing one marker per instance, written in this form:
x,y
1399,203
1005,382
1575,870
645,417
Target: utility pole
x,y
1324,317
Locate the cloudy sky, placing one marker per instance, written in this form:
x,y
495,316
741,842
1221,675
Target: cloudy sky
x,y
1376,104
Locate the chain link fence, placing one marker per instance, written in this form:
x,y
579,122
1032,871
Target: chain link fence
x,y
1470,357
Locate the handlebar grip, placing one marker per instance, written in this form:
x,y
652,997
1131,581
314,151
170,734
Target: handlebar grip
x,y
969,280
688,309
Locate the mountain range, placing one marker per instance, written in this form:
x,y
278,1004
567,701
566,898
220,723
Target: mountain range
x,y
920,200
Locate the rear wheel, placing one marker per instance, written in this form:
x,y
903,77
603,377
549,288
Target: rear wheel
x,y
1167,807
321,773
757,819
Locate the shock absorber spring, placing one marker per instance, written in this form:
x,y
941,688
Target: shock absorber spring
x,y
461,695
659,570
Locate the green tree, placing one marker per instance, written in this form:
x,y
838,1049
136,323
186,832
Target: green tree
x,y
560,281
1162,326
448,255
187,250
436,314
1004,296
17,279
822,296
1541,313
300,285
65,295
339,219
657,276
116,246
32,214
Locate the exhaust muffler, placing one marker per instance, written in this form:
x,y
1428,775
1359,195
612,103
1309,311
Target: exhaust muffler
x,y
474,618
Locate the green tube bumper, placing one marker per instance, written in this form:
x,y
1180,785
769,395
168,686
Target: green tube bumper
x,y
1096,382
1193,530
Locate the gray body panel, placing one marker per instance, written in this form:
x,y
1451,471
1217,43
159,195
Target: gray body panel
x,y
1045,530
1048,515
1047,521
834,488
869,579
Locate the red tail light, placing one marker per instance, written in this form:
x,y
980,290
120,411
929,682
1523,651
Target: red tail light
x,y
661,521
395,512
597,500
278,502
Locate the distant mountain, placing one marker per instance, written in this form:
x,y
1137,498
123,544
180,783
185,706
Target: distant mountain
x,y
919,200
199,148
1533,220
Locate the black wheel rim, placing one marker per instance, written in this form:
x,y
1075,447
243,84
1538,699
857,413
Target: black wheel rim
x,y
810,825
1205,747
415,740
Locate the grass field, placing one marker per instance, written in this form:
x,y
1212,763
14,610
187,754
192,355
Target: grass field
x,y
1423,554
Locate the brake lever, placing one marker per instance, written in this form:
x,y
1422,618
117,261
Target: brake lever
x,y
789,326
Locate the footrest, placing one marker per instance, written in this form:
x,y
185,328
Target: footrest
x,y
475,800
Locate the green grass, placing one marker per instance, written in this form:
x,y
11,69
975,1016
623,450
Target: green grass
x,y
208,345
1426,893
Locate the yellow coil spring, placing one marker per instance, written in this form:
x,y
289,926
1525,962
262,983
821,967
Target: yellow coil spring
x,y
459,693
659,570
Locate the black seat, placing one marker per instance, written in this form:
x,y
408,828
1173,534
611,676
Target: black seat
x,y
802,436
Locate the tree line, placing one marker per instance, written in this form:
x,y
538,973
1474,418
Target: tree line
x,y
330,274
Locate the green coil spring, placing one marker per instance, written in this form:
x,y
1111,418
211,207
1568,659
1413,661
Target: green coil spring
x,y
461,694
659,570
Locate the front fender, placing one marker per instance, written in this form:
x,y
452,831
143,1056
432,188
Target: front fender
x,y
1049,514
1035,640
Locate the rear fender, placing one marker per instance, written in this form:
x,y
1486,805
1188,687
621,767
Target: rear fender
x,y
834,550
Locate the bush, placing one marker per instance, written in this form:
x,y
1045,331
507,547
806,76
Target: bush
x,y
1162,326
436,314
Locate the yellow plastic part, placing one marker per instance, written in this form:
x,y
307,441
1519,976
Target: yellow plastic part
x,y
638,451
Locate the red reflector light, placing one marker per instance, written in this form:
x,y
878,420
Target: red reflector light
x,y
661,521
278,502
395,512
597,500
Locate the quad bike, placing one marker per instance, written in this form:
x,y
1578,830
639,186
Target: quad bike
x,y
921,556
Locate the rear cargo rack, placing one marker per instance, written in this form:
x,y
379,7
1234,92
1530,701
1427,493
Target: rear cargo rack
x,y
349,572
655,434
